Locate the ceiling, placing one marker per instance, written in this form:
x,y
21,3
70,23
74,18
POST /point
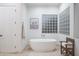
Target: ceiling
x,y
44,4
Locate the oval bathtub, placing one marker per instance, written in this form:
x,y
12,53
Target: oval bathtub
x,y
43,44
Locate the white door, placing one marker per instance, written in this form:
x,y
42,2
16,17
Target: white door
x,y
7,26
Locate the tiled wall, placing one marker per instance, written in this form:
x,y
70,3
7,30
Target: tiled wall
x,y
64,21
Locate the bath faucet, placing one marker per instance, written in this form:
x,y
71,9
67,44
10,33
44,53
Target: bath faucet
x,y
42,35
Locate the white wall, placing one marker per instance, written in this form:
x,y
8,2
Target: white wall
x,y
37,11
76,21
76,28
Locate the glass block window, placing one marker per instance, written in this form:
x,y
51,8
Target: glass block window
x,y
49,23
64,22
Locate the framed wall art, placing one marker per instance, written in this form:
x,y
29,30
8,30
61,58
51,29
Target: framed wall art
x,y
34,23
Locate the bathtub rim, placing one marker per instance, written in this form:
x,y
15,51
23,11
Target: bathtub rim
x,y
43,40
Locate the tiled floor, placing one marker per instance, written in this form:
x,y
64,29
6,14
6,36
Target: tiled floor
x,y
30,52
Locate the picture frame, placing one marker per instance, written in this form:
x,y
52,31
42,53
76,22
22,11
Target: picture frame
x,y
34,23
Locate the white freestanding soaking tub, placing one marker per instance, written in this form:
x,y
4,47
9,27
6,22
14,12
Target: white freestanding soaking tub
x,y
43,44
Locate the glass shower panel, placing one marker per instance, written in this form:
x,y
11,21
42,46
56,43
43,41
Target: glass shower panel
x,y
64,22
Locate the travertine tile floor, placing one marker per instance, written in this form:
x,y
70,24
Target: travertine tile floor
x,y
30,52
